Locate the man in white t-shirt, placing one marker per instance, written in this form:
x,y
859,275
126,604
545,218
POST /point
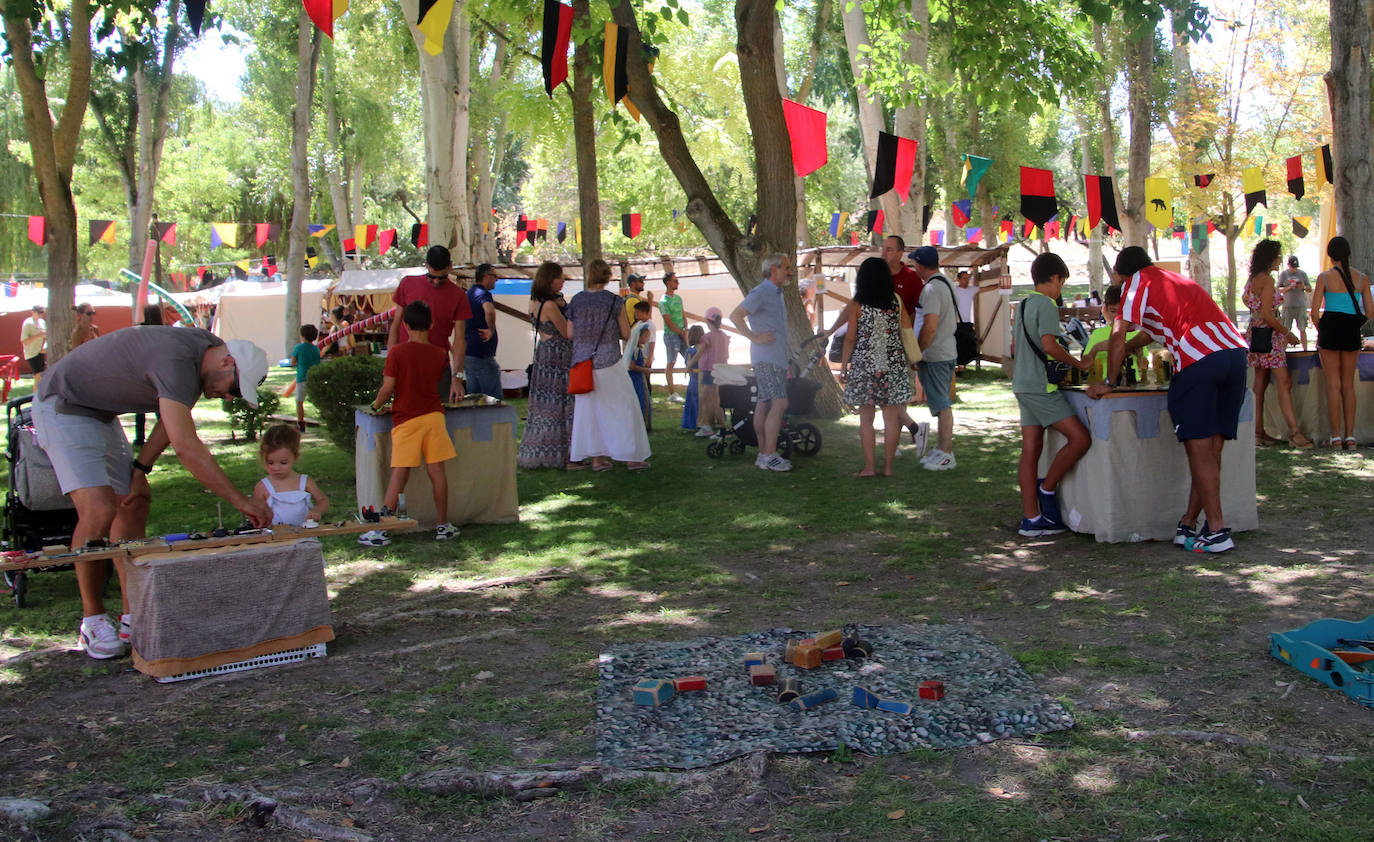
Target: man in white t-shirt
x,y
965,292
33,335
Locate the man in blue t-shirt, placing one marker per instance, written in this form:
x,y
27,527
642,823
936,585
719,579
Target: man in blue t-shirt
x,y
766,330
483,374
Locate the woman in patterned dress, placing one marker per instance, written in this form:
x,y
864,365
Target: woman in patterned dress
x,y
874,365
548,425
1263,303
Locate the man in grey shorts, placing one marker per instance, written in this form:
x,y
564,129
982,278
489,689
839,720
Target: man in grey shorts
x,y
766,330
1294,287
75,414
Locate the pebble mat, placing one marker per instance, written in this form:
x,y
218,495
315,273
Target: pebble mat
x,y
988,696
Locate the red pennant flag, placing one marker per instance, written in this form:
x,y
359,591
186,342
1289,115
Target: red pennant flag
x,y
1052,230
1211,227
853,238
1073,226
1101,201
1203,180
553,53
1295,181
975,236
1027,229
1008,228
166,232
1038,203
893,168
522,230
875,222
419,234
38,230
200,275
806,129
629,224
264,231
369,235
959,212
323,12
388,239
350,247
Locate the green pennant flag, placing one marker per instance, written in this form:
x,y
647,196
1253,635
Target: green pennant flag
x,y
974,170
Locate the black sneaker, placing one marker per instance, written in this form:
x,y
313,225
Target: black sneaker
x,y
1040,527
1213,542
1185,535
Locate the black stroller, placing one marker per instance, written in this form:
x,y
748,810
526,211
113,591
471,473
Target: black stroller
x,y
795,436
37,513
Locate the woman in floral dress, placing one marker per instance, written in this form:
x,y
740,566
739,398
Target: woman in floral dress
x,y
548,427
874,365
1261,299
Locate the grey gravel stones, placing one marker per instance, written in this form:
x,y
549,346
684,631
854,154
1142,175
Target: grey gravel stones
x,y
988,696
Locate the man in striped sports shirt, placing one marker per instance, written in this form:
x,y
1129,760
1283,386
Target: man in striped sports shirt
x,y
1208,389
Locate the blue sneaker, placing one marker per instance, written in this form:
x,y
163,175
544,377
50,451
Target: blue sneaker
x,y
1039,527
1213,542
1049,505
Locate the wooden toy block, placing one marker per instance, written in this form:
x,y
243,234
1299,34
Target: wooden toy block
x,y
807,641
761,674
828,639
807,657
865,699
931,690
856,648
653,692
834,653
904,708
816,699
790,653
689,683
789,689
753,658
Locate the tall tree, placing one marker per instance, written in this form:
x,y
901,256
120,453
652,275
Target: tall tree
x,y
584,135
1348,83
307,58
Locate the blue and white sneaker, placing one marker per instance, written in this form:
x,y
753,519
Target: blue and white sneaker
x,y
1049,505
1041,526
1185,535
1213,542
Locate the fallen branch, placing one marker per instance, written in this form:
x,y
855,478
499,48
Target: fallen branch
x,y
1232,739
507,581
261,810
15,660
429,644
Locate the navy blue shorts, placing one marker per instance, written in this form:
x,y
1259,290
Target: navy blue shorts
x,y
1206,397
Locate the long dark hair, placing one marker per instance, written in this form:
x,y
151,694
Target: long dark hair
x,y
873,284
1339,252
542,287
1263,257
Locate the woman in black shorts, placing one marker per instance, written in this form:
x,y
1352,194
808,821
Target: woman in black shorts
x,y
1341,303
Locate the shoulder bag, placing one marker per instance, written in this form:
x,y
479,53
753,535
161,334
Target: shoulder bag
x,y
580,380
1055,371
965,336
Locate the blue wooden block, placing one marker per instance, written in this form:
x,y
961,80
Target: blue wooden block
x,y
865,699
811,700
753,659
891,706
653,692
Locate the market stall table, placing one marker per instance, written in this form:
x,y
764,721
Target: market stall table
x,y
1309,398
481,480
1132,484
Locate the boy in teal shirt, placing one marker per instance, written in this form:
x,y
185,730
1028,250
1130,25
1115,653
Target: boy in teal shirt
x,y
1042,404
304,357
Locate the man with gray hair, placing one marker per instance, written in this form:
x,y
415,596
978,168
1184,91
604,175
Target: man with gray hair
x,y
766,330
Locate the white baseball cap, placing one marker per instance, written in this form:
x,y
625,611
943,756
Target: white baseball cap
x,y
251,363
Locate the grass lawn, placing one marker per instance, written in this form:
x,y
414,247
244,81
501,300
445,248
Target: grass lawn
x,y
431,671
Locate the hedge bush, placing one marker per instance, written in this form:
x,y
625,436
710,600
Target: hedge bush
x,y
336,386
243,416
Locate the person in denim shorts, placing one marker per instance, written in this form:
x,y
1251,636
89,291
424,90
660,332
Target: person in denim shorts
x,y
762,319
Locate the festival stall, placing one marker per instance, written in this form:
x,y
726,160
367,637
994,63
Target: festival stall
x,y
113,310
1309,398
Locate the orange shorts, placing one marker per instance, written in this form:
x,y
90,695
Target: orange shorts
x,y
421,441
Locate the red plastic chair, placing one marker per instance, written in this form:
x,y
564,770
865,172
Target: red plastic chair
x,y
9,371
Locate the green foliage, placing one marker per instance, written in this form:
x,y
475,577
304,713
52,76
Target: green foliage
x,y
248,419
336,386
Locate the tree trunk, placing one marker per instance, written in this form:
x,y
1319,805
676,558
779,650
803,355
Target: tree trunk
x,y
152,99
1199,260
584,143
870,111
308,41
335,163
802,235
1348,83
1140,55
1095,235
1232,232
910,121
487,155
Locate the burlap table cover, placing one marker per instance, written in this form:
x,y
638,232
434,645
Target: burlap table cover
x,y
1132,484
194,610
481,480
1309,398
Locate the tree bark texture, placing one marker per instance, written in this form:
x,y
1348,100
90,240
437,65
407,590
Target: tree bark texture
x,y
1095,235
870,111
1199,260
1348,82
487,156
584,142
336,161
910,121
152,96
802,238
53,143
1140,55
308,42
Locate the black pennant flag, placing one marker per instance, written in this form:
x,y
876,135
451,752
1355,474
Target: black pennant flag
x,y
1204,180
553,53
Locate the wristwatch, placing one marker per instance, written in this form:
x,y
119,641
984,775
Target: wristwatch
x,y
147,469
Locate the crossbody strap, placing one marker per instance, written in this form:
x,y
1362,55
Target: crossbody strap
x,y
1025,328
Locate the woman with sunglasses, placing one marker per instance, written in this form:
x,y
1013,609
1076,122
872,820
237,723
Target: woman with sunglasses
x,y
84,330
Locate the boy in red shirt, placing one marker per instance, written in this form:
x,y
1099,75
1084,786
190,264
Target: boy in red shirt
x,y
418,434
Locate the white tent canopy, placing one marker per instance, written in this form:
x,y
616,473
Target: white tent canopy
x,y
257,312
370,281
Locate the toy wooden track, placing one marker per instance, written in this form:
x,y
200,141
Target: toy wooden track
x,y
51,557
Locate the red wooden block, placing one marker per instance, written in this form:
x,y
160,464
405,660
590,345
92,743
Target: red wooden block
x,y
761,674
689,682
834,653
931,690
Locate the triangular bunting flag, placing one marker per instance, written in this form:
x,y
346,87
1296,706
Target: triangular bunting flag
x,y
365,236
224,234
894,165
1159,210
553,52
320,230
974,170
1101,201
806,130
562,231
263,231
837,221
875,222
166,232
959,212
522,231
1295,182
1051,231
1027,229
975,236
386,240
195,14
102,231
1203,180
925,217
1324,169
323,13
1008,228
269,266
419,235
432,21
1038,203
853,238
629,224
613,57
244,265
1071,227
937,238
1252,180
1301,224
38,230
542,228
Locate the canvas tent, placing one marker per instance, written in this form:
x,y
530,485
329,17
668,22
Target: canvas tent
x,y
257,312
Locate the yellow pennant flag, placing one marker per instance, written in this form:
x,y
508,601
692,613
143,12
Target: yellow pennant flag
x,y
224,233
244,264
433,23
1252,181
579,230
1159,209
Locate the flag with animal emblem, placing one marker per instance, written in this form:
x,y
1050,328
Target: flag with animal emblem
x,y
323,13
432,22
1038,202
38,230
1322,154
320,230
1101,201
1203,180
1252,180
613,57
1301,225
875,222
553,52
195,13
102,231
959,212
166,232
562,231
522,230
419,234
365,235
385,240
266,231
1159,210
629,224
806,130
837,221
224,234
1295,182
974,170
895,163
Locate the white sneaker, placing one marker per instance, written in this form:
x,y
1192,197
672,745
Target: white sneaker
x,y
761,462
921,438
774,462
676,398
939,461
374,538
445,531
126,627
99,639
705,432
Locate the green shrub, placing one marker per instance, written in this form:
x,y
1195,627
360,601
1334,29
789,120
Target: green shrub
x,y
336,386
250,420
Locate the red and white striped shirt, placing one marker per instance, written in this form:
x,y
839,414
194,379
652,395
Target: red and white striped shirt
x,y
1179,313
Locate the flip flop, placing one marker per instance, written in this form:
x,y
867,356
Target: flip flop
x,y
637,466
1301,442
601,469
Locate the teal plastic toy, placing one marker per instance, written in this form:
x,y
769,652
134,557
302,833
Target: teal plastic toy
x,y
1335,652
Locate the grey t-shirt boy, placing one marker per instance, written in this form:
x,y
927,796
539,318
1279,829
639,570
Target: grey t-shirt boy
x,y
937,299
129,370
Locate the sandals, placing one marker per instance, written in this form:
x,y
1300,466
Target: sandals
x,y
1351,444
1301,442
637,466
1334,442
601,467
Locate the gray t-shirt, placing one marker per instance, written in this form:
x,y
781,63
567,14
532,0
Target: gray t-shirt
x,y
1294,297
937,299
129,370
1040,315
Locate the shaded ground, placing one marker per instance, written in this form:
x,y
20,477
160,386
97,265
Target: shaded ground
x,y
432,671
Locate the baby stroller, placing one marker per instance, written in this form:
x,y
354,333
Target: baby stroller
x,y
794,437
37,513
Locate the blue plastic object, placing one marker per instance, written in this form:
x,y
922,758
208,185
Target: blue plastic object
x,y
1309,650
